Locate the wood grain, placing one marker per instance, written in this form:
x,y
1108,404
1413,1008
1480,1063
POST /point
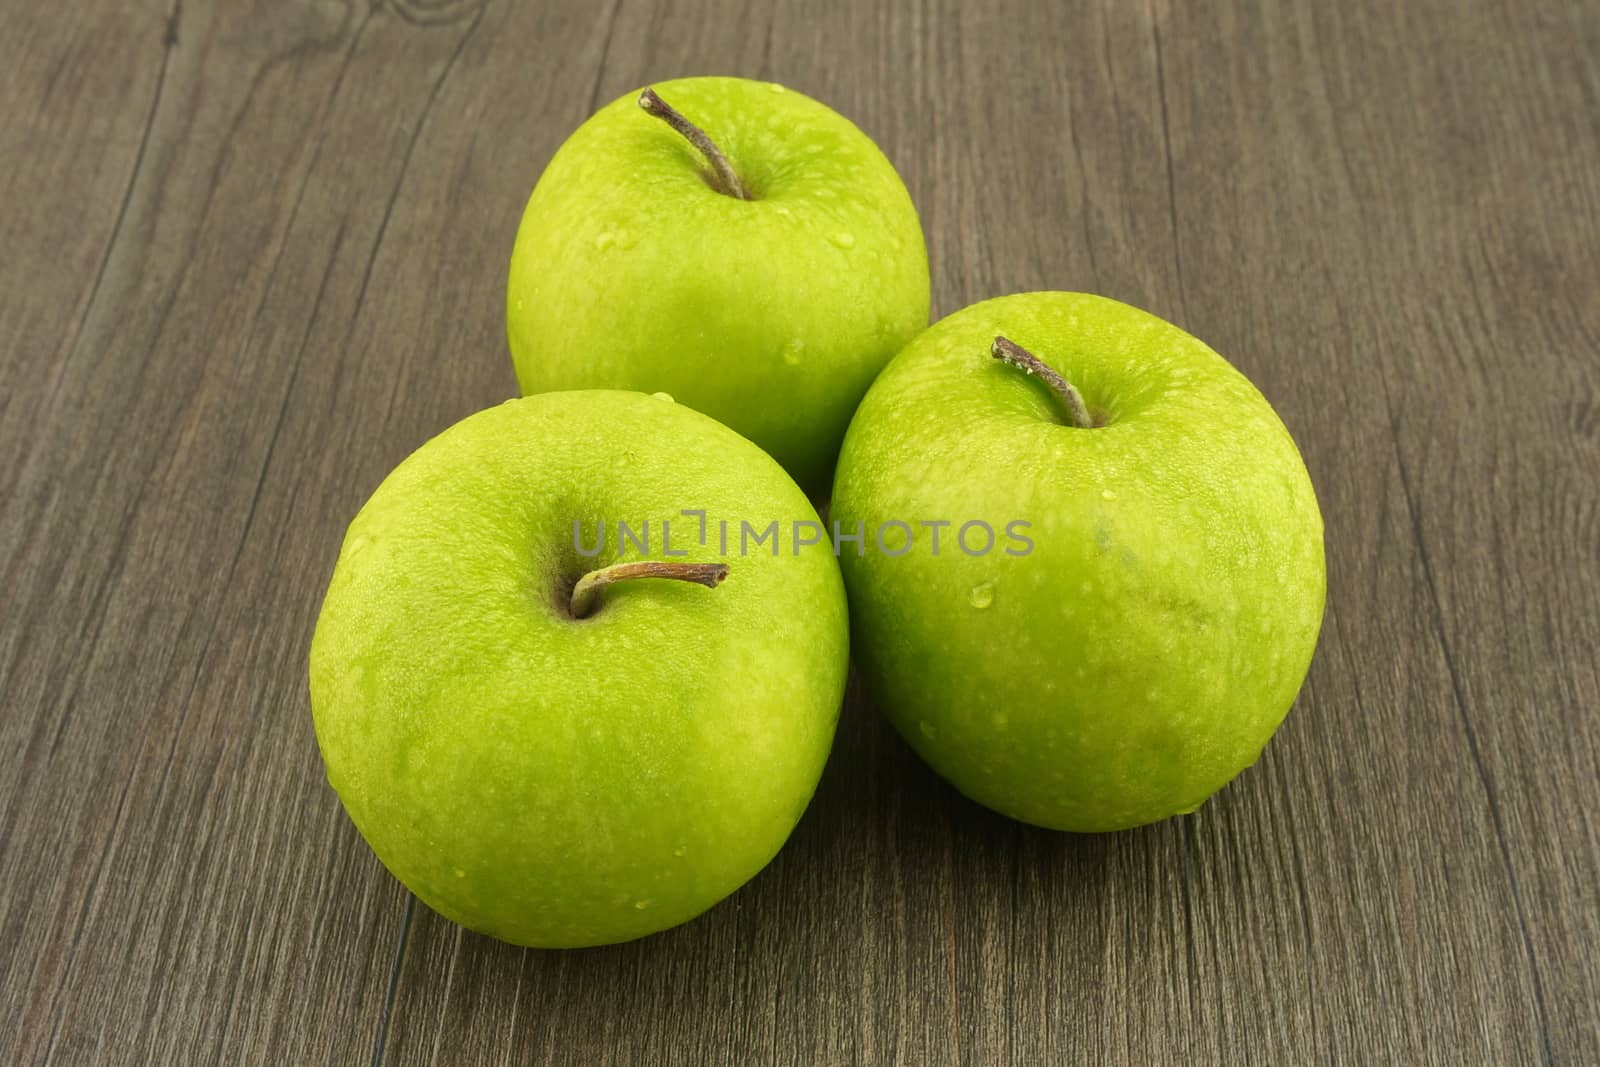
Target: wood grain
x,y
255,255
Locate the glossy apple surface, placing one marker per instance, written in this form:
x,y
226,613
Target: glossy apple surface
x,y
1143,651
772,314
561,781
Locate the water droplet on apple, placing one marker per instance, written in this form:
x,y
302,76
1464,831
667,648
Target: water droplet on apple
x,y
929,730
793,352
605,240
664,397
981,596
642,904
844,239
775,87
1107,494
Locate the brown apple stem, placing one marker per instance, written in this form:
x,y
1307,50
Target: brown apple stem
x,y
586,594
1008,351
727,181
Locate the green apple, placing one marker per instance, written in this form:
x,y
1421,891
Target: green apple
x,y
558,760
1140,616
730,242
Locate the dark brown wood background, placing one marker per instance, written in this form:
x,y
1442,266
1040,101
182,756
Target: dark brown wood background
x,y
252,254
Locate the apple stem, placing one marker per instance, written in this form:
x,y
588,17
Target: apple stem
x,y
727,180
1008,351
586,594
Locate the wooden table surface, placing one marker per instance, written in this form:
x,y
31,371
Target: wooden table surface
x,y
252,253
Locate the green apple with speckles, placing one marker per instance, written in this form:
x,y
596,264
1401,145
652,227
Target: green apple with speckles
x,y
735,244
1148,604
555,734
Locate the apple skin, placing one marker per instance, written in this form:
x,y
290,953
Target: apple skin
x,y
1144,651
772,315
557,782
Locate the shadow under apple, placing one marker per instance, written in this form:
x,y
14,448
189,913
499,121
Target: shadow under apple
x,y
896,907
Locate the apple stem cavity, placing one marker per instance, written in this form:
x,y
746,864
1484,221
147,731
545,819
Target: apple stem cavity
x,y
727,181
1008,351
586,594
